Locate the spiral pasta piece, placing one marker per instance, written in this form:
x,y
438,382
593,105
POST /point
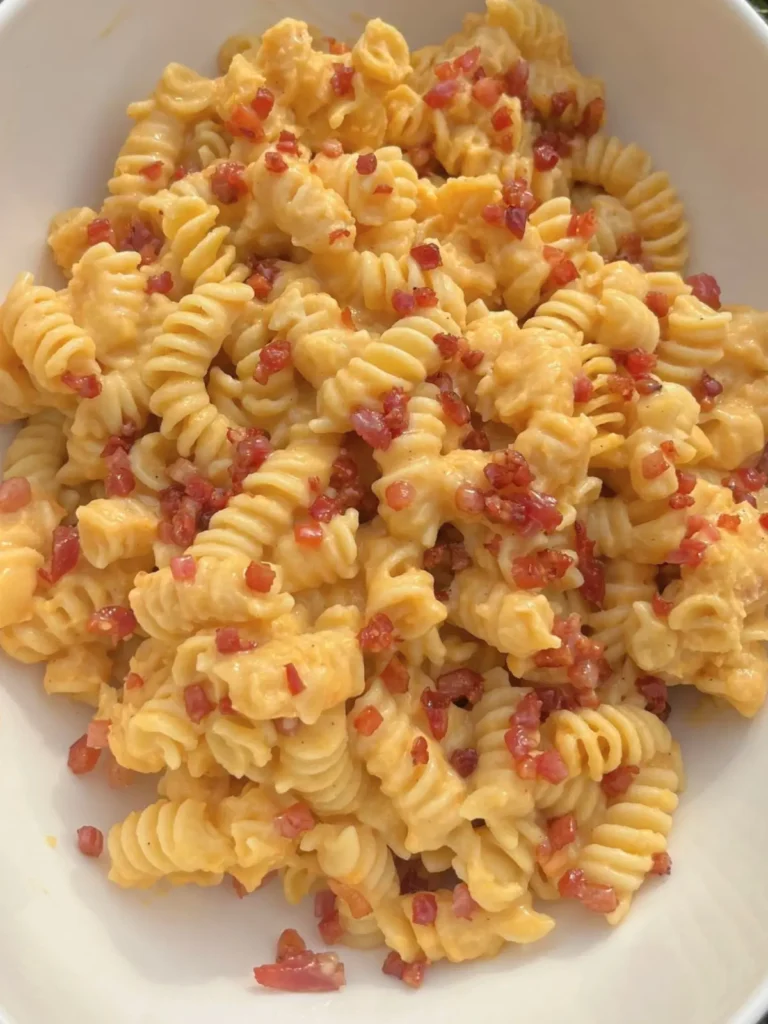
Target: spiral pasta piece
x,y
334,558
354,857
156,138
396,589
115,528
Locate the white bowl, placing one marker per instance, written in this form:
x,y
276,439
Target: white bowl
x,y
686,79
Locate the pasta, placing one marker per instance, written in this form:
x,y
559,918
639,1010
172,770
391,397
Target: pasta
x,y
380,475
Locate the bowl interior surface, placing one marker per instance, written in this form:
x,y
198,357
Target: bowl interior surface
x,y
684,80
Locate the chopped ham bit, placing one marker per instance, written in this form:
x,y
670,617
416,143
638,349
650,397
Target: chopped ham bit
x,y
706,391
367,721
330,928
196,703
65,553
101,230
583,225
662,864
183,568
85,387
273,358
383,190
420,750
656,694
424,908
654,465
478,441
15,494
395,675
399,495
338,233
229,641
287,143
591,568
729,522
658,303
706,289
274,162
323,508
332,148
560,275
462,903
259,577
455,408
325,903
516,79
438,721
90,841
341,80
120,481
133,681
461,683
369,424
561,831
550,766
226,707
245,123
425,298
469,499
630,248
441,95
493,214
160,284
592,118
152,171
545,156
114,621
582,389
486,92
395,408
617,782
515,220
294,821
293,680
501,119
97,736
571,884
427,256
306,972
660,607
228,183
366,163
403,303
82,759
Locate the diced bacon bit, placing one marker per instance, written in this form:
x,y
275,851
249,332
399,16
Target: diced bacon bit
x,y
295,820
245,123
591,568
686,482
427,256
486,92
478,441
472,357
592,118
690,553
526,512
125,439
658,303
442,381
424,908
601,899
160,284
141,239
226,707
341,79
133,681
583,225
583,389
82,759
706,289
493,214
437,718
508,469
87,386
183,568
367,721
399,495
560,101
323,508
425,298
366,164
263,102
358,905
15,494
560,275
572,884
293,680
455,408
229,641
325,903
545,156
119,777
395,407
654,465
196,703
259,577
287,143
638,363
462,904
661,864
101,230
179,173
369,424
706,391
441,95
540,569
274,162
731,523
550,766
656,695
464,761
330,928
420,750
630,248
617,782
763,520
647,385
65,553
395,675
403,303
120,480
289,944
152,171
90,841
303,972
561,831
466,61
411,974
239,889
114,621
337,47
273,358
228,183
459,684
97,735
501,118
661,608
624,387
331,148
515,220
252,449
516,79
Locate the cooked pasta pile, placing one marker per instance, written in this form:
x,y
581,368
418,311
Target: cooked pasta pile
x,y
380,472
